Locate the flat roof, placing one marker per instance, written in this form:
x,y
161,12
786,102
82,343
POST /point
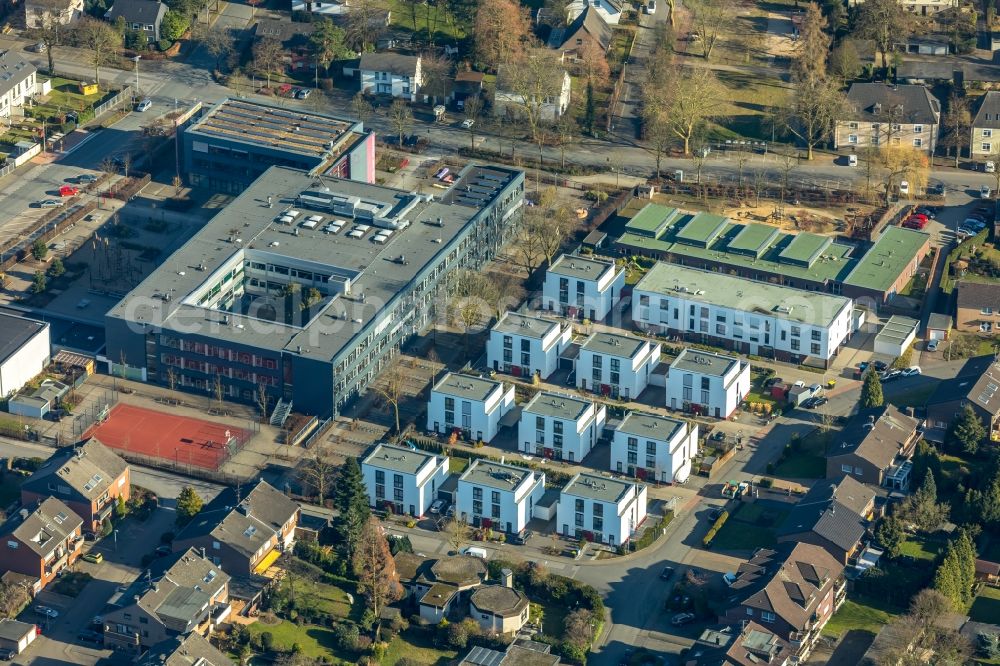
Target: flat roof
x,y
807,307
572,265
701,229
651,426
805,248
882,265
703,362
652,219
467,386
15,332
556,405
613,344
525,326
292,130
495,475
898,328
753,239
397,458
376,273
597,487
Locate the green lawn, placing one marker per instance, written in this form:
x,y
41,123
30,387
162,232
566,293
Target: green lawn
x,y
915,397
808,462
446,31
863,615
457,465
552,618
921,547
315,641
748,528
327,598
986,607
417,646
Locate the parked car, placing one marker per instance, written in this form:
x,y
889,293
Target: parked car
x,y
38,47
49,203
880,366
927,211
162,551
468,123
69,191
681,619
911,371
303,93
985,192
810,403
520,538
651,7
450,513
88,636
436,506
86,179
667,573
990,167
933,345
965,233
474,551
820,401
904,188
95,558
144,105
46,611
852,160
889,375
6,654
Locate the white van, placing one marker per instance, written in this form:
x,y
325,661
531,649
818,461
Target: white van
x,y
990,167
852,160
473,551
904,188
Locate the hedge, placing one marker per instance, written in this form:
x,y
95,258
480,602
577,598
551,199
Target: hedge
x,y
651,533
719,522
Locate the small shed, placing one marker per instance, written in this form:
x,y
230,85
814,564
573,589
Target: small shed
x,y
987,572
938,326
38,402
896,336
595,240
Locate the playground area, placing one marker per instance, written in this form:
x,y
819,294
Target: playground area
x,y
158,436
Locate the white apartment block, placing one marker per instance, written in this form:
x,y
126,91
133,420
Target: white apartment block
x,y
582,288
560,426
709,384
616,365
524,346
406,479
654,448
749,317
598,508
470,405
499,496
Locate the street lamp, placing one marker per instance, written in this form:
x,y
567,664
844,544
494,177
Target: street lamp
x,y
136,60
115,534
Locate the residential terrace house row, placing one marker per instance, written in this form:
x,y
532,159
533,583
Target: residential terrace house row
x,y
40,542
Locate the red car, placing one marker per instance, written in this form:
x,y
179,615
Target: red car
x,y
915,223
68,191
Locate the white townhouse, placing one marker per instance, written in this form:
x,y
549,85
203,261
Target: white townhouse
x,y
706,383
499,496
602,509
470,405
560,426
523,346
406,479
654,448
387,73
17,82
582,288
616,365
749,317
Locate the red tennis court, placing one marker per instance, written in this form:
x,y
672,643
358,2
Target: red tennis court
x,y
169,437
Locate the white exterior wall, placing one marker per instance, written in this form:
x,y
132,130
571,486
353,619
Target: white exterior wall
x,y
543,353
755,328
599,296
403,87
724,393
633,374
515,505
25,363
485,416
671,460
433,615
17,95
620,521
578,437
419,489
496,623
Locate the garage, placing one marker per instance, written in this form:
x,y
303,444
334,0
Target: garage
x,y
16,636
938,326
896,336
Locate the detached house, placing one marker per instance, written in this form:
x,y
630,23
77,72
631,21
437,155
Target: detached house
x,y
875,447
560,426
437,584
144,16
548,97
881,115
191,596
654,448
977,306
40,13
984,142
616,365
582,288
41,542
389,74
470,405
589,26
404,479
832,515
792,590
707,383
499,609
978,385
522,345
601,509
88,478
498,495
244,530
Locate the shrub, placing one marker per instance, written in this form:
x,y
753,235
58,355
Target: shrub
x,y
267,641
164,44
379,650
346,636
765,482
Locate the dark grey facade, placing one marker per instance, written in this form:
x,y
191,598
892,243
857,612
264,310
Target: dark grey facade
x,y
220,311
229,146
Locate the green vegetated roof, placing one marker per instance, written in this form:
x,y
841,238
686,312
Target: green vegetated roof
x,y
652,219
884,262
804,248
754,238
701,228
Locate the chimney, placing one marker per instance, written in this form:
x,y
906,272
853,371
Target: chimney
x,y
507,577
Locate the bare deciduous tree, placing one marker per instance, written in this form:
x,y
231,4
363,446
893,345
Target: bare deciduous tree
x,y
955,125
375,567
709,17
389,386
884,22
438,74
361,107
102,40
903,163
268,58
816,107
318,471
401,118
501,27
366,22
473,107
690,97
